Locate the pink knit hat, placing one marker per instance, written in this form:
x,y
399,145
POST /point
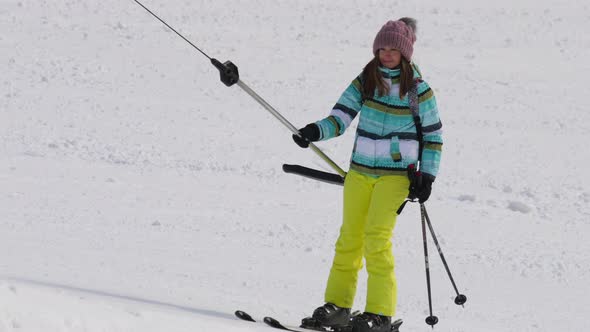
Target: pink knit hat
x,y
399,35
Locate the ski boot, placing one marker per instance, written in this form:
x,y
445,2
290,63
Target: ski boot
x,y
328,317
368,322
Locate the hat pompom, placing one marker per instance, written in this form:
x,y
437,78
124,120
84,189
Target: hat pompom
x,y
410,22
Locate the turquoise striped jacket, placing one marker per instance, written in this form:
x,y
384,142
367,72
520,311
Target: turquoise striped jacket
x,y
386,141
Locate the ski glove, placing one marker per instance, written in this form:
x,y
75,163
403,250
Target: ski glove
x,y
309,133
425,188
420,185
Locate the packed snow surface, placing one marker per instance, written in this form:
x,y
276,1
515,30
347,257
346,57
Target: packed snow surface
x,y
141,194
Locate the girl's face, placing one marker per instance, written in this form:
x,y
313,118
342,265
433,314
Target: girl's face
x,y
390,57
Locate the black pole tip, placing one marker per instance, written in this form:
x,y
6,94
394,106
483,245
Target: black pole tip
x,y
460,299
431,320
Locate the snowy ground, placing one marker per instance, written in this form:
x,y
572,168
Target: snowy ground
x,y
141,194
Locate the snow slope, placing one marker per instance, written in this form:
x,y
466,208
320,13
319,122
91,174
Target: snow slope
x,y
141,194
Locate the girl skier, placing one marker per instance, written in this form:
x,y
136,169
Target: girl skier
x,y
386,144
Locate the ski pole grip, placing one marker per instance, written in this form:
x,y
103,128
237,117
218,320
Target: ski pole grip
x,y
228,72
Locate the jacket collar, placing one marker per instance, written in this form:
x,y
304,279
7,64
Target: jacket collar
x,y
389,73
394,73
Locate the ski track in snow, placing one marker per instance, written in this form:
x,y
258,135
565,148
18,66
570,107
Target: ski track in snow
x,y
141,194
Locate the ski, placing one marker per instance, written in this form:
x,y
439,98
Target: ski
x,y
272,322
244,316
278,325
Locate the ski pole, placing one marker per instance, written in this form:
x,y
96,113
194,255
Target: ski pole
x,y
460,299
430,320
229,76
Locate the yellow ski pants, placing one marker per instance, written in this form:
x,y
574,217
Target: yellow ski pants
x,y
370,206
